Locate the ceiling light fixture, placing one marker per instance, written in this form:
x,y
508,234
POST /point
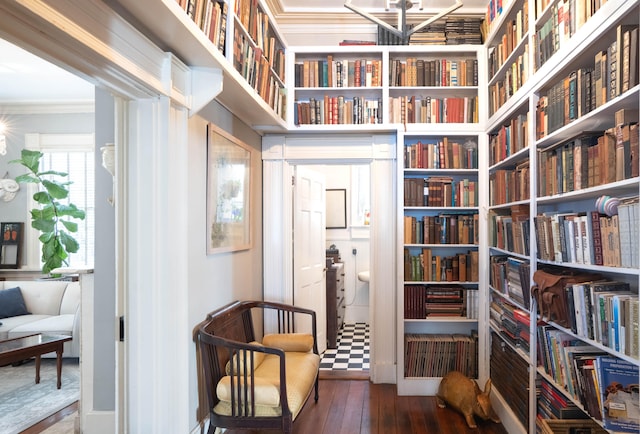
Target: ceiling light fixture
x,y
402,6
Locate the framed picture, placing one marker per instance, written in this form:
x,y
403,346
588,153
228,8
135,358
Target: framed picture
x,y
336,199
228,192
10,244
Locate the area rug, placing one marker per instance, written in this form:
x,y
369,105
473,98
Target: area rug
x,y
24,403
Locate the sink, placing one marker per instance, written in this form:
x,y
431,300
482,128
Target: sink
x,y
363,276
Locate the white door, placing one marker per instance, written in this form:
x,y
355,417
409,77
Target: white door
x,y
309,290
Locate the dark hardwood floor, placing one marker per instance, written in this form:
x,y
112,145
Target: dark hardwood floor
x,y
352,406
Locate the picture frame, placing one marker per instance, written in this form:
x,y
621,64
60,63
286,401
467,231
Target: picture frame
x,y
336,201
228,192
10,244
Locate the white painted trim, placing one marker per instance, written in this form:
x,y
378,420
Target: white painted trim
x,y
99,422
37,108
279,154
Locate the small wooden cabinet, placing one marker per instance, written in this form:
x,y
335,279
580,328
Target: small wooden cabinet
x,y
335,302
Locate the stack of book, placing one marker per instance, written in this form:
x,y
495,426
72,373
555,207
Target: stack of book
x,y
445,301
553,404
414,72
511,322
504,359
509,229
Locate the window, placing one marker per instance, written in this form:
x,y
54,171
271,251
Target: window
x,y
73,154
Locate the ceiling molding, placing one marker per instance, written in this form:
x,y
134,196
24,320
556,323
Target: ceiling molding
x,y
39,108
350,18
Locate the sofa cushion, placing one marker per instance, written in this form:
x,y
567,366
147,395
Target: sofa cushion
x,y
53,325
8,324
42,297
301,370
12,303
266,392
299,342
239,360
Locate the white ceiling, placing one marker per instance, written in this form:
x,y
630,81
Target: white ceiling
x,y
27,79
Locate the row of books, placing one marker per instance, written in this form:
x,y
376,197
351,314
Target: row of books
x,y
445,153
250,62
436,72
509,139
441,229
414,109
449,31
510,277
589,160
553,404
514,78
514,32
613,73
509,371
509,185
509,229
338,73
425,301
566,18
606,387
428,267
440,191
603,311
210,16
433,355
511,322
256,23
337,110
591,238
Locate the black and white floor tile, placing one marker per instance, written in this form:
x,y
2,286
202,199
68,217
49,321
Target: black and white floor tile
x,y
352,353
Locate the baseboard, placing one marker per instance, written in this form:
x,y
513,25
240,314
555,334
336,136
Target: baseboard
x,y
383,373
99,422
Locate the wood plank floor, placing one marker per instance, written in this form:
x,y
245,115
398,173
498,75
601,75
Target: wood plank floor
x,y
348,406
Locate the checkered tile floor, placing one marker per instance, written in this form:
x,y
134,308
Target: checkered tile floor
x,y
352,353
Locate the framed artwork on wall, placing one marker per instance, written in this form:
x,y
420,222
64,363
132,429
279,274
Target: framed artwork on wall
x,y
336,199
228,192
10,244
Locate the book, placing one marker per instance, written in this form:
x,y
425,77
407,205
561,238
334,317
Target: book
x,y
618,381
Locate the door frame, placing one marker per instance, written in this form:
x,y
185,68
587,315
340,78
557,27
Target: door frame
x,y
280,154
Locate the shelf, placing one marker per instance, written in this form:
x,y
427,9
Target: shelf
x,y
451,319
620,188
508,299
592,267
451,246
179,34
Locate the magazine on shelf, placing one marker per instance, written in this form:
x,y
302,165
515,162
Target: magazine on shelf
x,y
620,394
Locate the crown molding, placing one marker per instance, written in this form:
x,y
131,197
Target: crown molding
x,y
38,108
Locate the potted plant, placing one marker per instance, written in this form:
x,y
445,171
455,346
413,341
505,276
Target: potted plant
x,y
52,217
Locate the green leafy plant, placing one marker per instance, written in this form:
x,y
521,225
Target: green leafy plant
x,y
52,217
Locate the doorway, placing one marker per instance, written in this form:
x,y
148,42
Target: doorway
x,y
346,251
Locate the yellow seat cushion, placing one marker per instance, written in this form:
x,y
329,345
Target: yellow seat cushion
x,y
299,342
301,370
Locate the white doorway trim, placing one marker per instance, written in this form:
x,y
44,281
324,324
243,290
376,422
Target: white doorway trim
x,y
280,153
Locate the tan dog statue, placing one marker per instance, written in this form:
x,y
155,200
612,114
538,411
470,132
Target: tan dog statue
x,y
463,394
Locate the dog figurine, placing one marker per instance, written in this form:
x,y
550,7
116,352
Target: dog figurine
x,y
463,394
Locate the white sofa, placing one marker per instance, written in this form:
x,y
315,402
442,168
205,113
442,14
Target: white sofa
x,y
54,308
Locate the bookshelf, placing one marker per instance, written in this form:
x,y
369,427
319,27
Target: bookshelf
x,y
540,133
250,60
389,92
438,257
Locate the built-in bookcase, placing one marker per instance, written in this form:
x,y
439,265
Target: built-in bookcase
x,y
560,139
439,296
236,43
